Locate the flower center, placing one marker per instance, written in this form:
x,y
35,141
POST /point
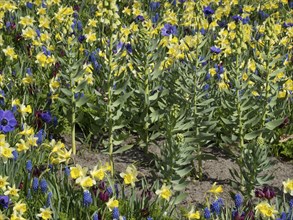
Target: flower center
x,y
4,122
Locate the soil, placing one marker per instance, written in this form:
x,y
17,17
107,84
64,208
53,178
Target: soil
x,y
214,170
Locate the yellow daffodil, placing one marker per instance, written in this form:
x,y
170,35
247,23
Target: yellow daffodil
x,y
216,190
45,214
9,52
3,182
266,210
288,186
85,182
12,191
98,174
112,203
130,175
193,215
77,171
164,192
20,207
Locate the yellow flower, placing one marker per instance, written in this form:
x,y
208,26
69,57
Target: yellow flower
x,y
98,174
92,23
216,190
112,203
41,59
27,130
6,153
288,186
164,192
29,33
130,175
288,85
266,210
16,216
255,93
26,21
282,94
25,109
91,37
193,215
28,79
3,182
44,22
85,182
78,171
9,52
12,191
222,85
20,207
212,71
45,214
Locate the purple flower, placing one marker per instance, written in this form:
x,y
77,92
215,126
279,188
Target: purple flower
x,y
139,18
168,29
48,202
269,192
29,5
96,216
208,11
236,18
128,48
155,18
7,121
4,201
215,50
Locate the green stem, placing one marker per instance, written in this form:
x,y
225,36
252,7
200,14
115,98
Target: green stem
x,y
109,108
73,123
146,108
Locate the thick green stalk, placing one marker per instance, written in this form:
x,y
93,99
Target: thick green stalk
x,y
109,108
73,121
146,108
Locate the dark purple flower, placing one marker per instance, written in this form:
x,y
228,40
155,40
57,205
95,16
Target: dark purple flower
x,y
168,29
81,38
208,10
4,201
269,192
104,196
7,121
128,48
215,50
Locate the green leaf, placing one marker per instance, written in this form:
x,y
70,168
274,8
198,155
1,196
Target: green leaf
x,y
124,148
81,101
180,198
252,135
66,92
273,124
81,86
64,101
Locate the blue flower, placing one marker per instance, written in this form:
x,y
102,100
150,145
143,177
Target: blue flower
x,y
79,25
29,166
40,135
154,5
46,117
35,184
128,48
215,50
208,11
7,121
206,87
291,204
207,213
238,200
87,198
4,201
168,30
96,216
216,207
67,171
236,18
15,155
43,186
139,18
155,18
29,5
48,202
115,213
